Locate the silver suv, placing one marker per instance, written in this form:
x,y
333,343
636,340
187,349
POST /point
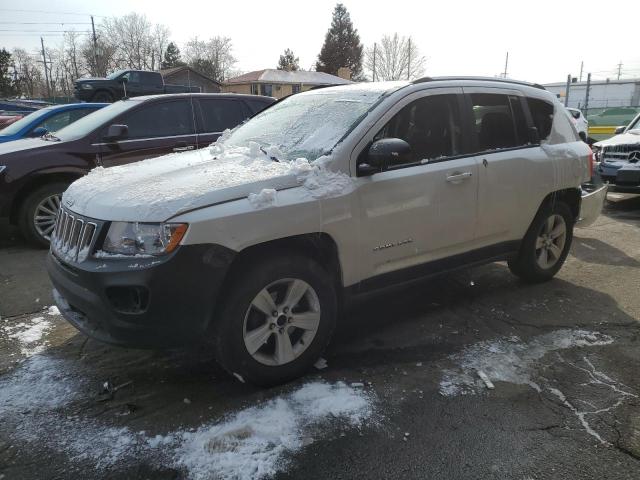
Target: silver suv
x,y
256,242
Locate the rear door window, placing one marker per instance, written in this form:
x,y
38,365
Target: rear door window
x,y
498,121
165,119
431,125
542,115
216,115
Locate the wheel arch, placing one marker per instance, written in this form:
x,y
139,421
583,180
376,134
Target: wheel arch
x,y
36,181
570,196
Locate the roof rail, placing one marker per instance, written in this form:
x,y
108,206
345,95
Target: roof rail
x,y
485,79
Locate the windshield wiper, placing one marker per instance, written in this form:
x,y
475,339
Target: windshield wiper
x,y
270,156
50,137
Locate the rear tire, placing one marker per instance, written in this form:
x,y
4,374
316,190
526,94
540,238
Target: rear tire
x,y
271,348
37,215
545,245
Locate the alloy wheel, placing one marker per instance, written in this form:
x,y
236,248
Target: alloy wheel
x,y
281,322
550,241
44,218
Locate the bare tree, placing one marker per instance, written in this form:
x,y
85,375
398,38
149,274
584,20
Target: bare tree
x,y
160,39
394,58
213,57
29,75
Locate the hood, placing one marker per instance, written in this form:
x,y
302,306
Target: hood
x,y
157,189
23,144
631,137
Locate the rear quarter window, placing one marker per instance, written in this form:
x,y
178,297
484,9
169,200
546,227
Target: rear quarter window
x,y
542,114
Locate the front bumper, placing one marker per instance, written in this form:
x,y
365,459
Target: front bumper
x,y
593,198
143,303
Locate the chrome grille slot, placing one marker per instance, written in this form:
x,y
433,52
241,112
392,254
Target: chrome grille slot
x,y
73,236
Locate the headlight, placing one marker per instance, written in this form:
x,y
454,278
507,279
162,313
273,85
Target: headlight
x,y
86,86
2,168
133,238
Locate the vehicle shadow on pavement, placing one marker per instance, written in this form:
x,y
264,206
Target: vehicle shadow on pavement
x,y
437,317
592,250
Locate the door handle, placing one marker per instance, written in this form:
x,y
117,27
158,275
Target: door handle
x,y
456,177
183,149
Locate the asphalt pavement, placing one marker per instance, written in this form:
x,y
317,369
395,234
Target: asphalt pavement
x,y
473,375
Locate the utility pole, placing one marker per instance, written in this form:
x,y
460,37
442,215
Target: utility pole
x,y
46,71
375,47
95,48
409,60
506,64
581,67
566,94
586,98
619,69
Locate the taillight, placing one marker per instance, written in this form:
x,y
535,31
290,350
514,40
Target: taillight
x,y
591,161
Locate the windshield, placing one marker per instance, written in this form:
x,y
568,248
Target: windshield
x,y
635,125
89,123
24,122
115,74
309,124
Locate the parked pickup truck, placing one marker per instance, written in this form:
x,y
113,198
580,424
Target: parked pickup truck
x,y
125,83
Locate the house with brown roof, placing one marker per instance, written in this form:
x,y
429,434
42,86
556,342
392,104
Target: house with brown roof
x,y
186,75
280,83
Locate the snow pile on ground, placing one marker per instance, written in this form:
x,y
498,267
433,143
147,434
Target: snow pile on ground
x,y
254,442
53,310
29,334
510,359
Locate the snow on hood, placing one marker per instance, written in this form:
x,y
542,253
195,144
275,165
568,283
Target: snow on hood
x,y
156,189
630,137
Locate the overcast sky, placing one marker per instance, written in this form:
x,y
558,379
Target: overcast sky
x,y
546,40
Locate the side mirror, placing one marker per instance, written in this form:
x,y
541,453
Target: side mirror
x,y
38,132
534,135
123,80
384,153
116,132
620,129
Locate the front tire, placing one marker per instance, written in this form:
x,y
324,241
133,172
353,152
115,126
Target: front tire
x,y
102,96
545,245
37,215
276,320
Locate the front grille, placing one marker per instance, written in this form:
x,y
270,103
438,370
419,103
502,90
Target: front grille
x,y
72,237
618,152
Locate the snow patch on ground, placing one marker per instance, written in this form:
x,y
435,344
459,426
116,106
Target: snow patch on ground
x,y
29,334
53,310
253,443
39,383
510,359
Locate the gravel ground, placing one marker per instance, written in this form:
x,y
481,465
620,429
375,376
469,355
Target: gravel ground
x,y
403,395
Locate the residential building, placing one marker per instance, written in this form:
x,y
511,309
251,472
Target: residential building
x,y
280,83
186,75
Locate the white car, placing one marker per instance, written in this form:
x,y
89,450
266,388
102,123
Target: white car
x,y
580,122
257,242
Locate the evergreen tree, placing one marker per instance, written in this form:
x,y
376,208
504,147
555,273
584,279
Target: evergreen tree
x,y
172,57
6,84
342,47
288,61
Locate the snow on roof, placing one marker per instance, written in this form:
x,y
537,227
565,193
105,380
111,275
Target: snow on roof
x,y
283,76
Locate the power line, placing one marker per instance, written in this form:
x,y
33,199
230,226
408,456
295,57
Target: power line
x,y
45,23
39,31
49,12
